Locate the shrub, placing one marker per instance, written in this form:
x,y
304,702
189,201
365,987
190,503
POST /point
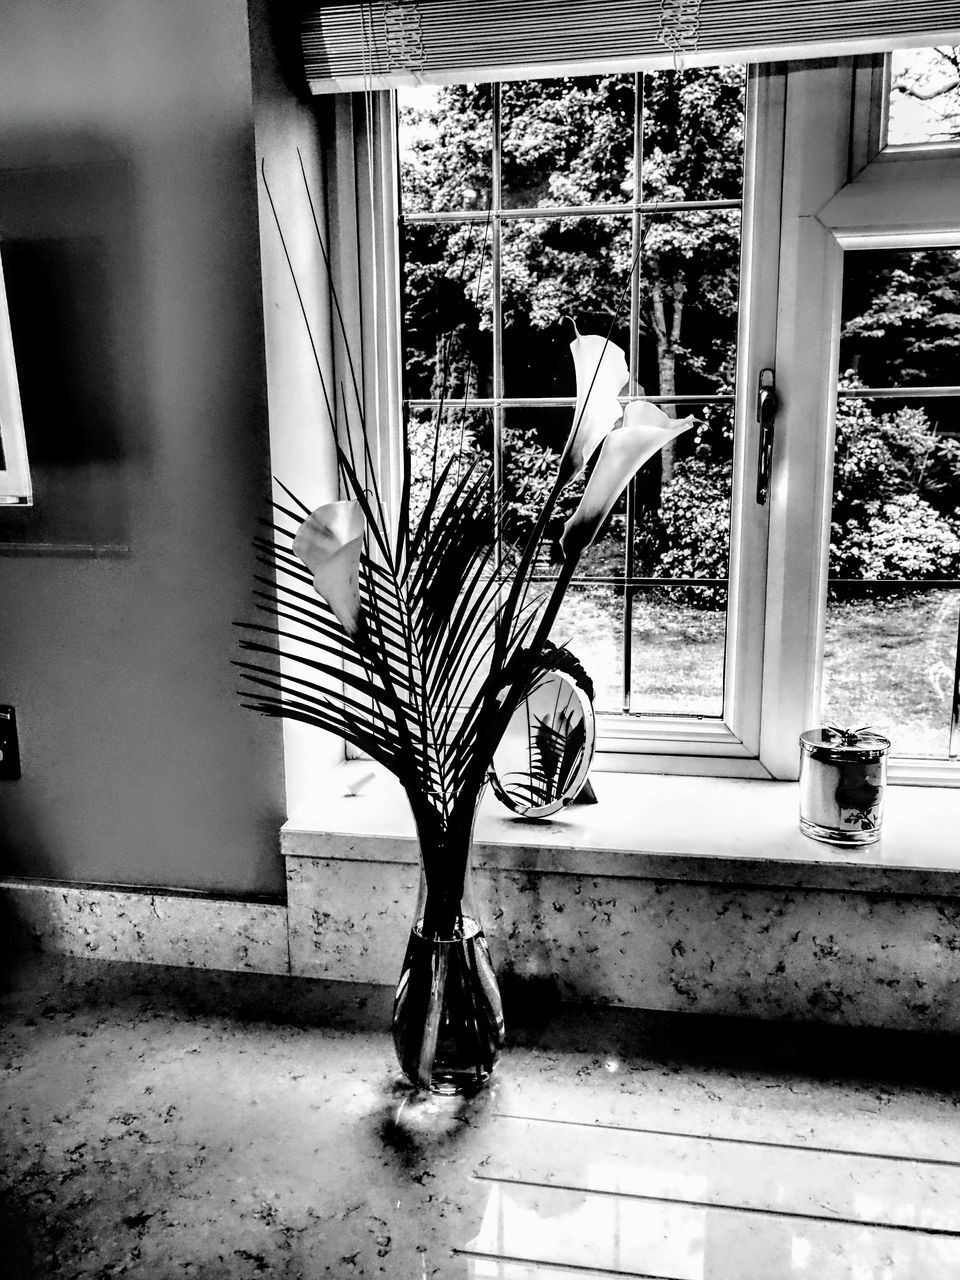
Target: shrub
x,y
695,518
904,537
896,487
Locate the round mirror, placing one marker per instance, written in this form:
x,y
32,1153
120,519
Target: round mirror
x,y
544,756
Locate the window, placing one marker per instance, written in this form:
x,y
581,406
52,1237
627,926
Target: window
x,y
863,535
891,649
498,244
923,99
527,204
602,200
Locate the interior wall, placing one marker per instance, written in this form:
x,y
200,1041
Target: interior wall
x,y
139,766
294,139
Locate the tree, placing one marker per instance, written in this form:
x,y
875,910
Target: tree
x,y
895,491
901,317
570,142
929,78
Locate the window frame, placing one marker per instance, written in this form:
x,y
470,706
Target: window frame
x,y
728,745
899,197
817,181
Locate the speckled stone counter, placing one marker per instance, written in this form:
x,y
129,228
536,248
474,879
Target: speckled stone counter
x,y
671,893
626,914
160,1123
162,927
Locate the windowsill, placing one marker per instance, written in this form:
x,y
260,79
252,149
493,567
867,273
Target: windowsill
x,y
655,827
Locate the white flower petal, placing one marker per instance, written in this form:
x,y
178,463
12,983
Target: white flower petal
x,y
646,429
329,542
601,374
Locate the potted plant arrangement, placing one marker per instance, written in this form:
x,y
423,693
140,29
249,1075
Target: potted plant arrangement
x,y
415,637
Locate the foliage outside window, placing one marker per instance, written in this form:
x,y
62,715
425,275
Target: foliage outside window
x,y
892,621
580,170
924,97
577,169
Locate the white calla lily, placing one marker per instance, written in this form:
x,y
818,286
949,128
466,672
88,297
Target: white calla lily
x,y
602,374
644,432
328,542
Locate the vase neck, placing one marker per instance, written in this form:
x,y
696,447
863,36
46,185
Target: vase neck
x,y
445,900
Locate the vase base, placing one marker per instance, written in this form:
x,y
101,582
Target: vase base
x,y
454,1084
448,1018
832,835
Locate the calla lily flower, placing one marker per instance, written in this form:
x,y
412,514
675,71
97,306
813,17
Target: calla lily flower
x,y
328,542
645,430
601,375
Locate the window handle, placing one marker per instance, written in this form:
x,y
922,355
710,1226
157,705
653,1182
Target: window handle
x,y
766,413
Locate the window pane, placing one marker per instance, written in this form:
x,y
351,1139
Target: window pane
x,y
555,268
682,511
532,441
567,142
689,278
890,662
447,325
891,640
590,624
677,643
901,317
924,101
462,433
445,142
682,531
692,134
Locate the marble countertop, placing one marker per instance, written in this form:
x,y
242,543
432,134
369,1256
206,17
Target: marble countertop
x,y
181,1124
654,826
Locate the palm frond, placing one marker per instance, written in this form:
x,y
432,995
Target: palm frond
x,y
433,665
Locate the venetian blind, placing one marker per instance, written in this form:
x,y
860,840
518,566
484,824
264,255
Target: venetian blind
x,y
352,44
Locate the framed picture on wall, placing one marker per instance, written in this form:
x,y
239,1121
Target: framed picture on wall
x,y
15,487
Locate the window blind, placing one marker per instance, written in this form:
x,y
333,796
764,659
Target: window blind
x,y
353,44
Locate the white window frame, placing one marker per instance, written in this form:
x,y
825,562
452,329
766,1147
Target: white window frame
x,y
904,197
15,486
729,746
816,182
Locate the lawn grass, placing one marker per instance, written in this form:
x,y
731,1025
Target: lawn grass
x,y
889,664
677,652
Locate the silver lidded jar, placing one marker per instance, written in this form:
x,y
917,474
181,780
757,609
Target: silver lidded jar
x,y
843,774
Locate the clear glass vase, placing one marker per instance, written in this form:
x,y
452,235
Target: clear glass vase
x,y
447,1014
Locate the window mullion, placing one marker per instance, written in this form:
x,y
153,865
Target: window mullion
x,y
496,250
634,364
953,748
815,166
756,338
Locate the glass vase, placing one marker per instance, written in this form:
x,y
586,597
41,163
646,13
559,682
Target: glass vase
x,y
447,1014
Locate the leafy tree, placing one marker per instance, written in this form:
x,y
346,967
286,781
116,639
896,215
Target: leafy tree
x,y
930,77
901,316
570,141
896,483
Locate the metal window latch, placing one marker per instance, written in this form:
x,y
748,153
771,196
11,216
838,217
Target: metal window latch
x,y
766,413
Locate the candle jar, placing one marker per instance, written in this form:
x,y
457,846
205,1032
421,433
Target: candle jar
x,y
842,778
